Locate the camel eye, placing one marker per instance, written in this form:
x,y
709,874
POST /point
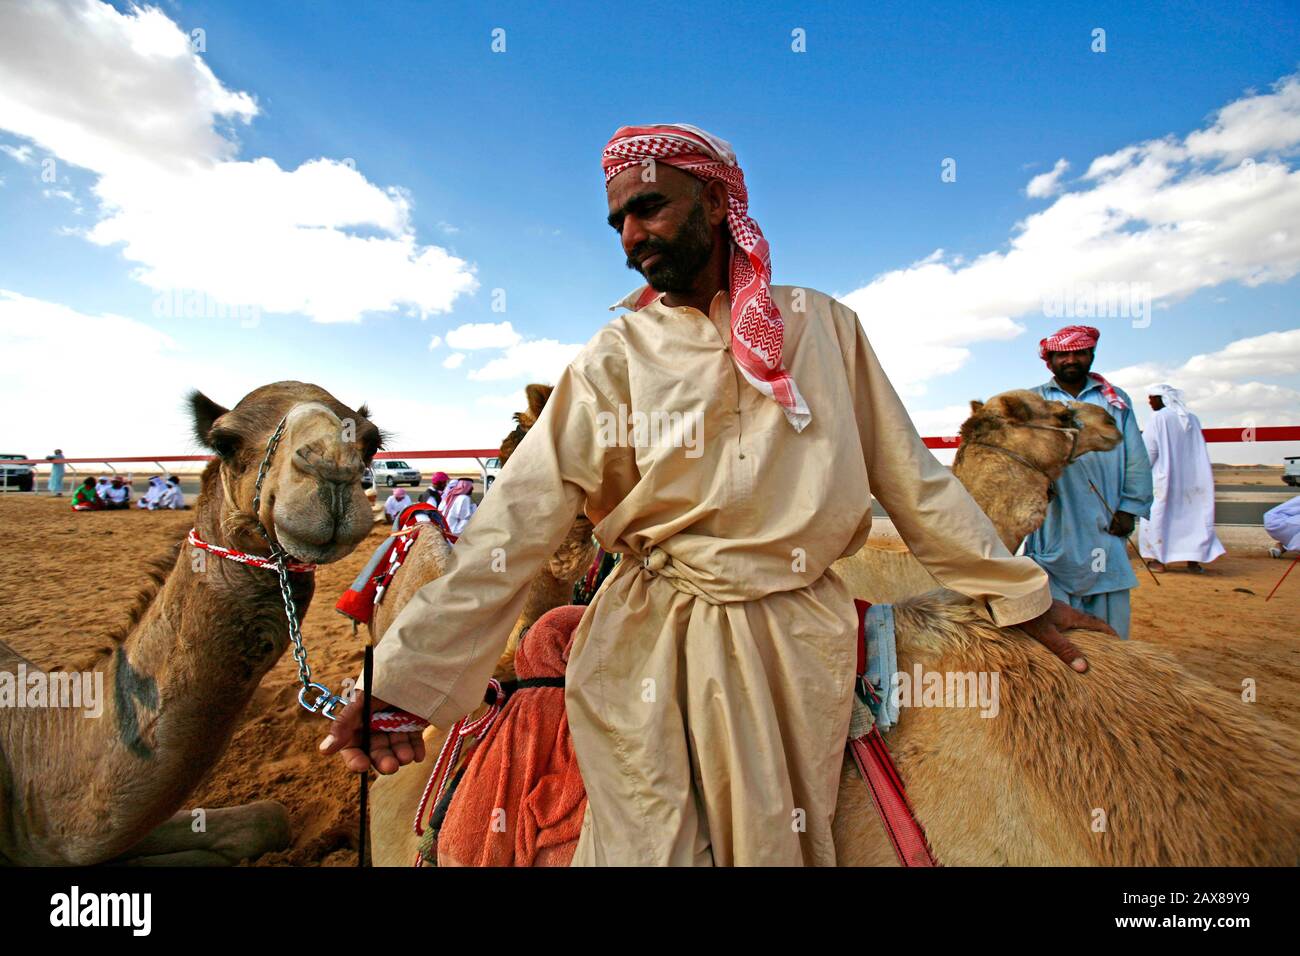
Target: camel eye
x,y
223,443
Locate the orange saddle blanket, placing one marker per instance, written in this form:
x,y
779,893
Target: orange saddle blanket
x,y
521,799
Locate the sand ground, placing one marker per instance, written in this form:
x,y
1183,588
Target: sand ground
x,y
67,579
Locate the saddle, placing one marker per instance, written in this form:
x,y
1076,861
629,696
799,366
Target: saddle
x,y
519,800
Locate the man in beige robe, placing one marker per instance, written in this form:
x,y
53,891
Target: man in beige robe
x,y
710,681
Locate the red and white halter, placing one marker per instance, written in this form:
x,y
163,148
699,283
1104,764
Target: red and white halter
x,y
241,557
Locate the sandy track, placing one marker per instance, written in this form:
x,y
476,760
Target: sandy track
x,y
67,579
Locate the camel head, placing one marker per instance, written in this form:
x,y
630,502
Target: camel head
x,y
1022,434
1048,433
312,502
574,550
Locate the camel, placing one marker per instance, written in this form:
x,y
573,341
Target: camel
x,y
1013,493
1135,763
78,791
392,802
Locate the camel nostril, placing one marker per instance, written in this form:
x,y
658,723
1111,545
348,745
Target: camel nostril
x,y
341,465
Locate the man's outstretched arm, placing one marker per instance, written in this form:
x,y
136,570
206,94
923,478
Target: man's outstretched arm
x,y
939,520
435,659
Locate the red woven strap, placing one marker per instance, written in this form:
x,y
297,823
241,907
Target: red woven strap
x,y
871,755
887,793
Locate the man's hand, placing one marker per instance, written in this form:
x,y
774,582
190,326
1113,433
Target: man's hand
x,y
388,752
1121,525
1047,628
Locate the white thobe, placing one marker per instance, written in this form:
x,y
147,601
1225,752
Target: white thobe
x,y
1283,524
1181,526
458,515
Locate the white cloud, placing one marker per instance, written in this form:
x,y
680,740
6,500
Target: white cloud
x,y
538,360
483,335
1266,123
435,342
60,389
453,360
21,154
1154,213
1047,184
124,96
82,405
511,402
1222,387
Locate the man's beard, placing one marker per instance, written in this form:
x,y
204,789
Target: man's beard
x,y
1072,374
680,258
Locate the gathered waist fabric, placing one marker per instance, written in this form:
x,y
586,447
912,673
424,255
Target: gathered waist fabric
x,y
712,589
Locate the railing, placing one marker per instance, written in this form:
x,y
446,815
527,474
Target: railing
x,y
1243,435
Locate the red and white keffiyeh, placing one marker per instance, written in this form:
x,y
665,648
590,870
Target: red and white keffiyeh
x,y
757,330
1076,338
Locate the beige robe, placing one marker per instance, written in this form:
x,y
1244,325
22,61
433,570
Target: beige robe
x,y
710,681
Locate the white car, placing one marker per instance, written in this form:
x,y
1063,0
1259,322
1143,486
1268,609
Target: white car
x,y
392,471
22,477
1291,472
491,468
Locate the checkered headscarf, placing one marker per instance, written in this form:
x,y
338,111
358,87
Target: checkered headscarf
x,y
757,331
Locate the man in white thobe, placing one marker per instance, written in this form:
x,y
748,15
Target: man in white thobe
x,y
1181,526
397,502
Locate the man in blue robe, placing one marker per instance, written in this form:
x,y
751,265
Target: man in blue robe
x,y
1082,543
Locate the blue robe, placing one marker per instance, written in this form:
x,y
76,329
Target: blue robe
x,y
56,476
1087,566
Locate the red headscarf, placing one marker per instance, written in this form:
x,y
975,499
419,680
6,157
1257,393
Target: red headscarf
x,y
757,331
461,486
1076,338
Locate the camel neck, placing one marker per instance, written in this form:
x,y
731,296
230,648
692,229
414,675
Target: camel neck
x,y
173,692
1017,507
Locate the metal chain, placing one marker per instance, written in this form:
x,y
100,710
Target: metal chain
x,y
326,702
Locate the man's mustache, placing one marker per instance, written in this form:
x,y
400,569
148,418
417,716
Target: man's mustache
x,y
646,249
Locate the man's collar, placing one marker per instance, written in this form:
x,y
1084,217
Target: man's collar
x,y
643,295
637,299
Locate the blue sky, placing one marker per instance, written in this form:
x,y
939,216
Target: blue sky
x,y
494,158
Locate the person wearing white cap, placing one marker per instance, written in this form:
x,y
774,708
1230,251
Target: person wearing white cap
x,y
1181,526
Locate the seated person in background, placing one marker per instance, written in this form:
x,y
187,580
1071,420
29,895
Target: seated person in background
x,y
152,494
101,486
397,502
437,485
172,496
1283,526
118,494
457,505
85,498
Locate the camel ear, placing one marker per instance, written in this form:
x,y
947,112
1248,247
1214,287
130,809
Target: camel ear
x,y
364,410
206,412
1015,408
537,396
975,406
